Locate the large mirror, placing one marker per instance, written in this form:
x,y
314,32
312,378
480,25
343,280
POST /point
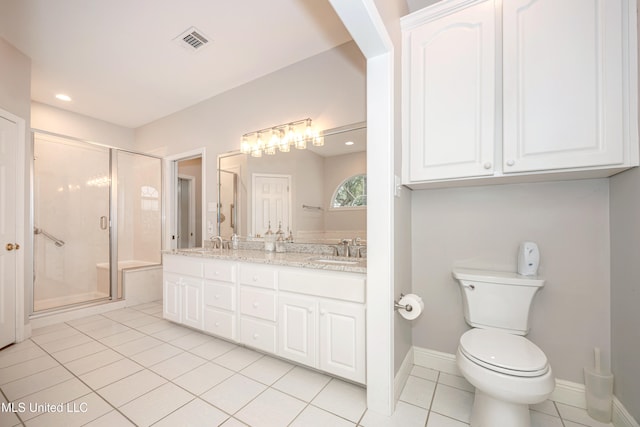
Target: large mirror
x,y
317,195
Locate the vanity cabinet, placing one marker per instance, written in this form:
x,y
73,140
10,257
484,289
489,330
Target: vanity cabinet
x,y
312,317
519,88
327,330
183,290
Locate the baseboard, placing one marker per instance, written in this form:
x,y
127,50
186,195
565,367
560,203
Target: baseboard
x,y
432,359
621,417
402,375
566,392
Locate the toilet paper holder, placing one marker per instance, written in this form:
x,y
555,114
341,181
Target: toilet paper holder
x,y
398,306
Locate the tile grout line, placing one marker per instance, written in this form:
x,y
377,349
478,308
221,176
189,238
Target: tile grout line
x,y
87,385
183,350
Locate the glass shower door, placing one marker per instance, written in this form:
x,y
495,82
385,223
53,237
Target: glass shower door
x,y
71,222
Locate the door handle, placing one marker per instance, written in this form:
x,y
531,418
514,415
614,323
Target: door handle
x,y
9,247
103,222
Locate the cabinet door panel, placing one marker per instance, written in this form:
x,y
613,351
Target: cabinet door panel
x,y
563,87
452,95
192,303
342,339
172,301
297,325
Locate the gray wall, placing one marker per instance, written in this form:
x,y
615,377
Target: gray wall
x,y
625,288
482,227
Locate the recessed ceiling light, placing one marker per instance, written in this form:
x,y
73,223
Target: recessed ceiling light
x,y
349,143
63,97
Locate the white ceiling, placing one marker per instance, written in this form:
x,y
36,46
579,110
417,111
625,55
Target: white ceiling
x,y
118,61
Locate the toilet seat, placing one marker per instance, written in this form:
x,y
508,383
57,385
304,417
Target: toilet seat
x,y
503,352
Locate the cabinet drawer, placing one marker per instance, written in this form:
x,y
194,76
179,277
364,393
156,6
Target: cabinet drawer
x,y
220,270
258,334
183,265
264,277
258,303
219,323
219,295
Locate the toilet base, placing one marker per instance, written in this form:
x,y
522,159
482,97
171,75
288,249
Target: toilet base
x,y
490,412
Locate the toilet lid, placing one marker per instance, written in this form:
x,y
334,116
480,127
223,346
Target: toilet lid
x,y
503,352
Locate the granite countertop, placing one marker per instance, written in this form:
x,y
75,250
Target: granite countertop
x,y
290,259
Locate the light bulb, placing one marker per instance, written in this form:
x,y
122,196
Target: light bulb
x,y
245,146
284,142
308,133
318,141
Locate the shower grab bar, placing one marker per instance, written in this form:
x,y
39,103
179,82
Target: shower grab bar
x,y
58,242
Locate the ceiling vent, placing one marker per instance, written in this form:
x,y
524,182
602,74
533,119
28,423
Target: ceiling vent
x,y
193,40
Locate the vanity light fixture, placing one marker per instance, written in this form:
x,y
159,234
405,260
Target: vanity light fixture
x,y
282,137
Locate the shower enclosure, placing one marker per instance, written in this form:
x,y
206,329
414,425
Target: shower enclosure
x,y
97,211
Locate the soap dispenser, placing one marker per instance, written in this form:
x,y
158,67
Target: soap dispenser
x,y
528,259
269,240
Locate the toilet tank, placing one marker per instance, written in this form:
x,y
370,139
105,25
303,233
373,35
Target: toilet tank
x,y
497,300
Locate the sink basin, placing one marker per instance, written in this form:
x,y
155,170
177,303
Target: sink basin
x,y
335,261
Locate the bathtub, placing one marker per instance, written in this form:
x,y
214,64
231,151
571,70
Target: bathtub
x,y
139,282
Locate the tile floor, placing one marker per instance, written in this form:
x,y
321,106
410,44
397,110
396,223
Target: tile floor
x,y
130,367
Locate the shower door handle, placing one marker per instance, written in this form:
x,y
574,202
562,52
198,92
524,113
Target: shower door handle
x,y
103,222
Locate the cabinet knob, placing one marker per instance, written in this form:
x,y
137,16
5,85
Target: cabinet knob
x,y
255,278
310,309
256,336
217,324
216,296
487,165
323,312
217,273
511,162
255,305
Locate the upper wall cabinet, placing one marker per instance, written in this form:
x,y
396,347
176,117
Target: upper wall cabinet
x,y
519,88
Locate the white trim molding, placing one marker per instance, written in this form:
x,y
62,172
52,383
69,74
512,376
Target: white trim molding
x,y
566,392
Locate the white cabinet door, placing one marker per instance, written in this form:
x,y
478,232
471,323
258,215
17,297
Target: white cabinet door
x,y
172,297
192,303
297,325
342,339
563,76
451,94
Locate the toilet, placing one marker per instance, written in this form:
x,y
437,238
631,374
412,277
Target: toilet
x,y
508,371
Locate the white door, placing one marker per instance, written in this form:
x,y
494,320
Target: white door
x,y
452,95
271,202
8,144
564,85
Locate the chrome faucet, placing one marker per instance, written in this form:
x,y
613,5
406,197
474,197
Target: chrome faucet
x,y
213,241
